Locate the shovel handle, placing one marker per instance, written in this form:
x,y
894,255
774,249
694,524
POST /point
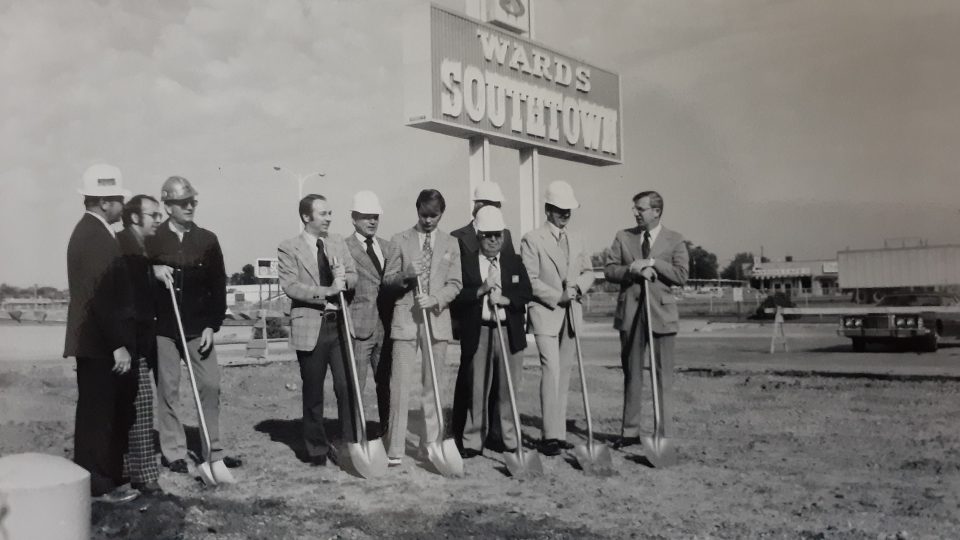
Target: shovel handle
x,y
506,372
193,379
433,366
583,378
654,371
352,361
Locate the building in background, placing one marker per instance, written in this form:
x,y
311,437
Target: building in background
x,y
796,278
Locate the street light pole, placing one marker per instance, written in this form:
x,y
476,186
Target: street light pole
x,y
300,178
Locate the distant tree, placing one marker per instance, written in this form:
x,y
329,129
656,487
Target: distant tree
x,y
245,277
735,270
599,257
703,264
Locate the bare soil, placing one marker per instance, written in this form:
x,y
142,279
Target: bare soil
x,y
761,456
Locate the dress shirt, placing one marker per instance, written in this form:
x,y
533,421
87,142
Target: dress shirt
x,y
421,236
654,232
311,241
376,246
484,272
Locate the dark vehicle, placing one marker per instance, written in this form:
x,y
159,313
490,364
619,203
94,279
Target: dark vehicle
x,y
923,329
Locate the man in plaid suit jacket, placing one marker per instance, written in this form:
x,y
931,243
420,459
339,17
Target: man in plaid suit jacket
x,y
314,267
433,256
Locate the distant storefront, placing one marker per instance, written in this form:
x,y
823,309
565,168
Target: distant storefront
x,y
816,278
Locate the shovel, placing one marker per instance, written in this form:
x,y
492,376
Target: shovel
x,y
205,469
594,458
369,458
442,453
658,449
520,464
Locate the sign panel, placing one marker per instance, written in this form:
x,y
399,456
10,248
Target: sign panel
x,y
511,14
738,294
467,78
267,268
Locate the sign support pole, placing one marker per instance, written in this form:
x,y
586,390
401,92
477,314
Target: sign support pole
x,y
479,165
529,189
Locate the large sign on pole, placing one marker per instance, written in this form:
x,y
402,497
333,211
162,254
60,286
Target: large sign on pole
x,y
467,78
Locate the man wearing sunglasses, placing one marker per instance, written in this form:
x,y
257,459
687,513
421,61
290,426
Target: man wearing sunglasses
x,y
560,273
188,258
490,274
141,217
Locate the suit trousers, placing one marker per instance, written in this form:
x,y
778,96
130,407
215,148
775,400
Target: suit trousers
x,y
487,370
405,359
375,351
557,356
105,412
329,352
173,444
634,357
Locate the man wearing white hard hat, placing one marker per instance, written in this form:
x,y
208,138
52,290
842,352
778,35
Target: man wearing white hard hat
x,y
371,304
560,273
100,335
490,274
484,195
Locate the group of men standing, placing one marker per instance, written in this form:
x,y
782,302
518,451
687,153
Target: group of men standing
x,y
424,287
121,327
421,289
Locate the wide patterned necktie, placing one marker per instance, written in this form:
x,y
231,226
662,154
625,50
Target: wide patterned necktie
x,y
564,245
323,265
493,274
373,256
428,259
645,246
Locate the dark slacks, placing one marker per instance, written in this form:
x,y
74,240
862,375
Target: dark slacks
x,y
489,384
105,412
328,352
634,356
375,350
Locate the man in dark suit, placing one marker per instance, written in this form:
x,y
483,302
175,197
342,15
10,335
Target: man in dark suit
x,y
100,335
314,267
371,307
188,257
490,274
141,216
485,194
646,259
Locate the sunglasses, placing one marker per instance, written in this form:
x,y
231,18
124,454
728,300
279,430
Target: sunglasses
x,y
492,234
183,203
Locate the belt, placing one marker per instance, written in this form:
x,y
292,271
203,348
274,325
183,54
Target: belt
x,y
492,324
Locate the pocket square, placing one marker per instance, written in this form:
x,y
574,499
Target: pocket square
x,y
514,279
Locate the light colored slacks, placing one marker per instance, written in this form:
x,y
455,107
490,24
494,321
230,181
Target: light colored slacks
x,y
487,364
557,356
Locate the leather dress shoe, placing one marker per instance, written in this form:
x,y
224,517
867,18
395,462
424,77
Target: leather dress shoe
x,y
318,461
177,465
624,442
118,496
564,445
467,453
232,462
147,488
550,447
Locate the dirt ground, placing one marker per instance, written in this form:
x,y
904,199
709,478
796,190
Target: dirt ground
x,y
761,456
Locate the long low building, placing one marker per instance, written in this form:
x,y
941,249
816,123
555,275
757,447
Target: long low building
x,y
816,278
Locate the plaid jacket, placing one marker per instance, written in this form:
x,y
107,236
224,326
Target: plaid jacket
x,y
300,280
370,303
445,284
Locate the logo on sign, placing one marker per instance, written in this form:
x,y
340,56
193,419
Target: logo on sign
x,y
513,7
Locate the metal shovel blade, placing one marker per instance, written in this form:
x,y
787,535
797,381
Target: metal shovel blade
x,y
598,462
368,459
528,466
206,474
445,458
659,451
221,473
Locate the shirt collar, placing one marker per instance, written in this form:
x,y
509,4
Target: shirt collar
x,y
310,238
654,232
556,231
363,239
104,221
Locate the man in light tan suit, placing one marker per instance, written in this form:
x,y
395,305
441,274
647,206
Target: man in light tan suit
x,y
433,256
560,273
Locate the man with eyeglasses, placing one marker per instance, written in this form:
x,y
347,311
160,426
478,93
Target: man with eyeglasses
x,y
314,268
560,273
646,259
99,335
141,217
188,258
490,274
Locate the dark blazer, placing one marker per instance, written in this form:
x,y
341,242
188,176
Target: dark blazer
x,y
468,309
467,237
371,302
144,287
100,315
199,278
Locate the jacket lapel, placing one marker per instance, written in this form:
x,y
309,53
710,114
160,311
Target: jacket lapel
x,y
359,253
550,246
309,259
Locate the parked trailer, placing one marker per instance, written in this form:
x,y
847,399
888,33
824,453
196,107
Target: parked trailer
x,y
870,274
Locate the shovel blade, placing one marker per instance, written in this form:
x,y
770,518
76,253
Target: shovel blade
x,y
206,474
659,451
369,460
445,458
599,462
528,466
221,473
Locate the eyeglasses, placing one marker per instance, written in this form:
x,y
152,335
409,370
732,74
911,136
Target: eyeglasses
x,y
183,203
642,209
156,216
491,234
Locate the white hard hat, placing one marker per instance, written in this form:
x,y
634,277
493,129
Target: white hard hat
x,y
102,180
488,191
560,194
490,219
366,202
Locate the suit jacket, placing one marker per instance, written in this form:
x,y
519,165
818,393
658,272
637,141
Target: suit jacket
x,y
543,259
145,288
445,284
199,279
300,280
468,309
100,314
370,303
467,236
671,262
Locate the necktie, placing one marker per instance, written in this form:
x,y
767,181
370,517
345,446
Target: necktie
x,y
428,259
373,256
494,272
325,273
565,248
645,246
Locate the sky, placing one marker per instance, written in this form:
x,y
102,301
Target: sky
x,y
801,127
